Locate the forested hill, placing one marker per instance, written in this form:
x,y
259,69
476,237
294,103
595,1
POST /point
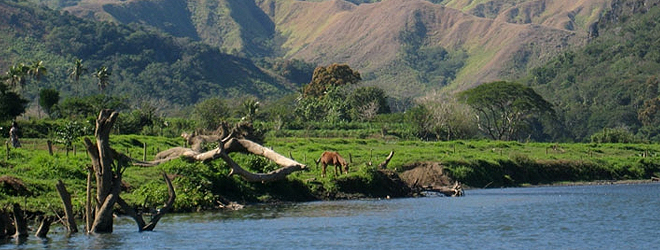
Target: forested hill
x,y
145,65
613,82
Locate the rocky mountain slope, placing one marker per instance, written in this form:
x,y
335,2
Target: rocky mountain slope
x,y
501,38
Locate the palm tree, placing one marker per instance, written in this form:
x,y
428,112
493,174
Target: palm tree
x,y
16,75
37,70
104,77
250,107
77,70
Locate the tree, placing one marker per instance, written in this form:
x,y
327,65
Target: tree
x,y
504,109
210,113
48,98
77,70
451,120
103,75
333,75
249,109
11,104
108,166
422,120
366,102
37,70
16,76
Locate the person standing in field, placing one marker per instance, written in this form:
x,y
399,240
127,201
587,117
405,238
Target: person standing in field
x,y
13,135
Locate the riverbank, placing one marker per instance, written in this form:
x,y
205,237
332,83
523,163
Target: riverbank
x,y
208,186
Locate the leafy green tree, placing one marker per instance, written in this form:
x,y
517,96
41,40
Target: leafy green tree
x,y
70,132
613,135
103,76
89,106
505,109
48,98
11,104
324,98
210,113
325,78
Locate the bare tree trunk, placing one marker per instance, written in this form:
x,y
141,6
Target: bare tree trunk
x,y
6,227
4,224
68,208
88,202
19,222
108,167
107,180
44,227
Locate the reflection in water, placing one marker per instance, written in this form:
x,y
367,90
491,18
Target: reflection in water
x,y
578,217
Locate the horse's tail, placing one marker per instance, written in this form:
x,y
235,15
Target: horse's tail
x,y
317,162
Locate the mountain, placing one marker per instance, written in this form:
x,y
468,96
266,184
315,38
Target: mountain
x,y
408,47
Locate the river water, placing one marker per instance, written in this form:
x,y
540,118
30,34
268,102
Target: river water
x,y
559,217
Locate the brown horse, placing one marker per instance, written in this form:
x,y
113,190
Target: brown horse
x,y
332,158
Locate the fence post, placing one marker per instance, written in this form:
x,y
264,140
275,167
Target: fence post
x,y
50,146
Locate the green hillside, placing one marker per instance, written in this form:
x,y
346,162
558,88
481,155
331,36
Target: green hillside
x,y
144,64
612,82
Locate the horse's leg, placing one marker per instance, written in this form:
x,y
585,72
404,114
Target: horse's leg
x,y
323,172
337,170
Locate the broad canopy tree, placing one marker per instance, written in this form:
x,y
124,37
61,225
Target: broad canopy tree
x,y
505,110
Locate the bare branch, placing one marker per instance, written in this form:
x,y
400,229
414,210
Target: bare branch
x,y
383,164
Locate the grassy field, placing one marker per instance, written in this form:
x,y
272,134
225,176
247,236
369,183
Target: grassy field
x,y
202,186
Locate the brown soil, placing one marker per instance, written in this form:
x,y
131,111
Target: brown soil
x,y
425,174
13,186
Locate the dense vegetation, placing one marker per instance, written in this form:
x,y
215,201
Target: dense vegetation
x,y
142,63
612,82
203,186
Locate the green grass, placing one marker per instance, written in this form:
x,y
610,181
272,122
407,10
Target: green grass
x,y
200,186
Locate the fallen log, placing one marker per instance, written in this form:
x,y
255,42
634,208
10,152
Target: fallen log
x,y
229,145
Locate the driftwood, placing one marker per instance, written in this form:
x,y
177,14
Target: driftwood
x,y
229,145
454,191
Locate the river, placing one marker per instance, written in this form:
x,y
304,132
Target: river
x,y
557,217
